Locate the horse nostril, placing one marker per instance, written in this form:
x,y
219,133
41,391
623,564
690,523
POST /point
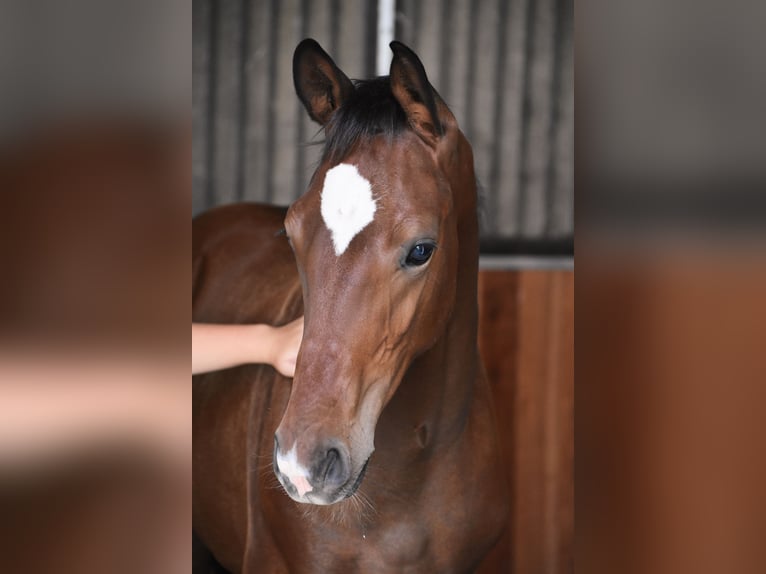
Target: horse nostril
x,y
334,469
330,461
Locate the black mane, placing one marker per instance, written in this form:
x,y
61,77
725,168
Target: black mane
x,y
372,110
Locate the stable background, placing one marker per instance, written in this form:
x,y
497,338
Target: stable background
x,y
505,68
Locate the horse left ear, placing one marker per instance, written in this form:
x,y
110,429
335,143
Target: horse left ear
x,y
415,94
321,86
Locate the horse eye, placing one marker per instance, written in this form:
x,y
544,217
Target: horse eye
x,y
420,254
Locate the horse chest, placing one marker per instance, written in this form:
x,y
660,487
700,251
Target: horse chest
x,y
403,546
418,543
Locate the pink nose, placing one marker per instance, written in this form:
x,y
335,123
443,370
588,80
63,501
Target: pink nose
x,y
300,483
327,469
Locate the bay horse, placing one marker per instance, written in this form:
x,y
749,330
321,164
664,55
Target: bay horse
x,y
383,447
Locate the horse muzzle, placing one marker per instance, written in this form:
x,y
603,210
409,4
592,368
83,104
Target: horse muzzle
x,y
325,477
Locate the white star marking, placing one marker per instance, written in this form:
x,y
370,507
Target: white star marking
x,y
347,204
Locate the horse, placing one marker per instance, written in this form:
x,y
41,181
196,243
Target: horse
x,y
381,455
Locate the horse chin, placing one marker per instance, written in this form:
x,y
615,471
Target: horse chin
x,y
315,499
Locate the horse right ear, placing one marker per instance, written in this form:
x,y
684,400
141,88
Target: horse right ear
x,y
415,94
319,83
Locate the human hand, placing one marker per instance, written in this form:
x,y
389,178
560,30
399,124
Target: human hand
x,y
285,342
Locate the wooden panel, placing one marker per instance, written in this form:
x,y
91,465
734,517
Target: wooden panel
x,y
526,338
670,423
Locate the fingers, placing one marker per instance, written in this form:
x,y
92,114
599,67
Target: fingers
x,y
288,347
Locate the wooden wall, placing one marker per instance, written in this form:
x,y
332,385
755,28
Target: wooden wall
x,y
526,339
670,427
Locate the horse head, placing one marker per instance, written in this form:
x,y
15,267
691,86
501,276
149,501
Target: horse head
x,y
376,239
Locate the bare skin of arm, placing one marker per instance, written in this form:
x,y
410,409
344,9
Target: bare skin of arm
x,y
217,347
58,404
52,406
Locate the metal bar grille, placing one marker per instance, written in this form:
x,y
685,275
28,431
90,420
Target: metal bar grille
x,y
504,67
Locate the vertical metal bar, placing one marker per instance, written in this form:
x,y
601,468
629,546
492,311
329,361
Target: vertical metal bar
x,y
336,7
551,175
494,174
200,94
386,18
417,17
529,55
243,98
369,68
270,123
447,45
399,18
471,76
407,14
211,105
300,138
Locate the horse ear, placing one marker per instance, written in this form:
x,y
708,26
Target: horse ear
x,y
319,83
415,94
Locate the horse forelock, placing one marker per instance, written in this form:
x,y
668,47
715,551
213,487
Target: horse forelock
x,y
372,110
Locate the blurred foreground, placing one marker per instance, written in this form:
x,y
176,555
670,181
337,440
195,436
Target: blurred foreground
x,y
671,315
95,403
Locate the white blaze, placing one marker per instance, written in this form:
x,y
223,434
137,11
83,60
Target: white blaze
x,y
295,472
347,204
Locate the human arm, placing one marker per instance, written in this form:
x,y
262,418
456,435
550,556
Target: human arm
x,y
222,346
